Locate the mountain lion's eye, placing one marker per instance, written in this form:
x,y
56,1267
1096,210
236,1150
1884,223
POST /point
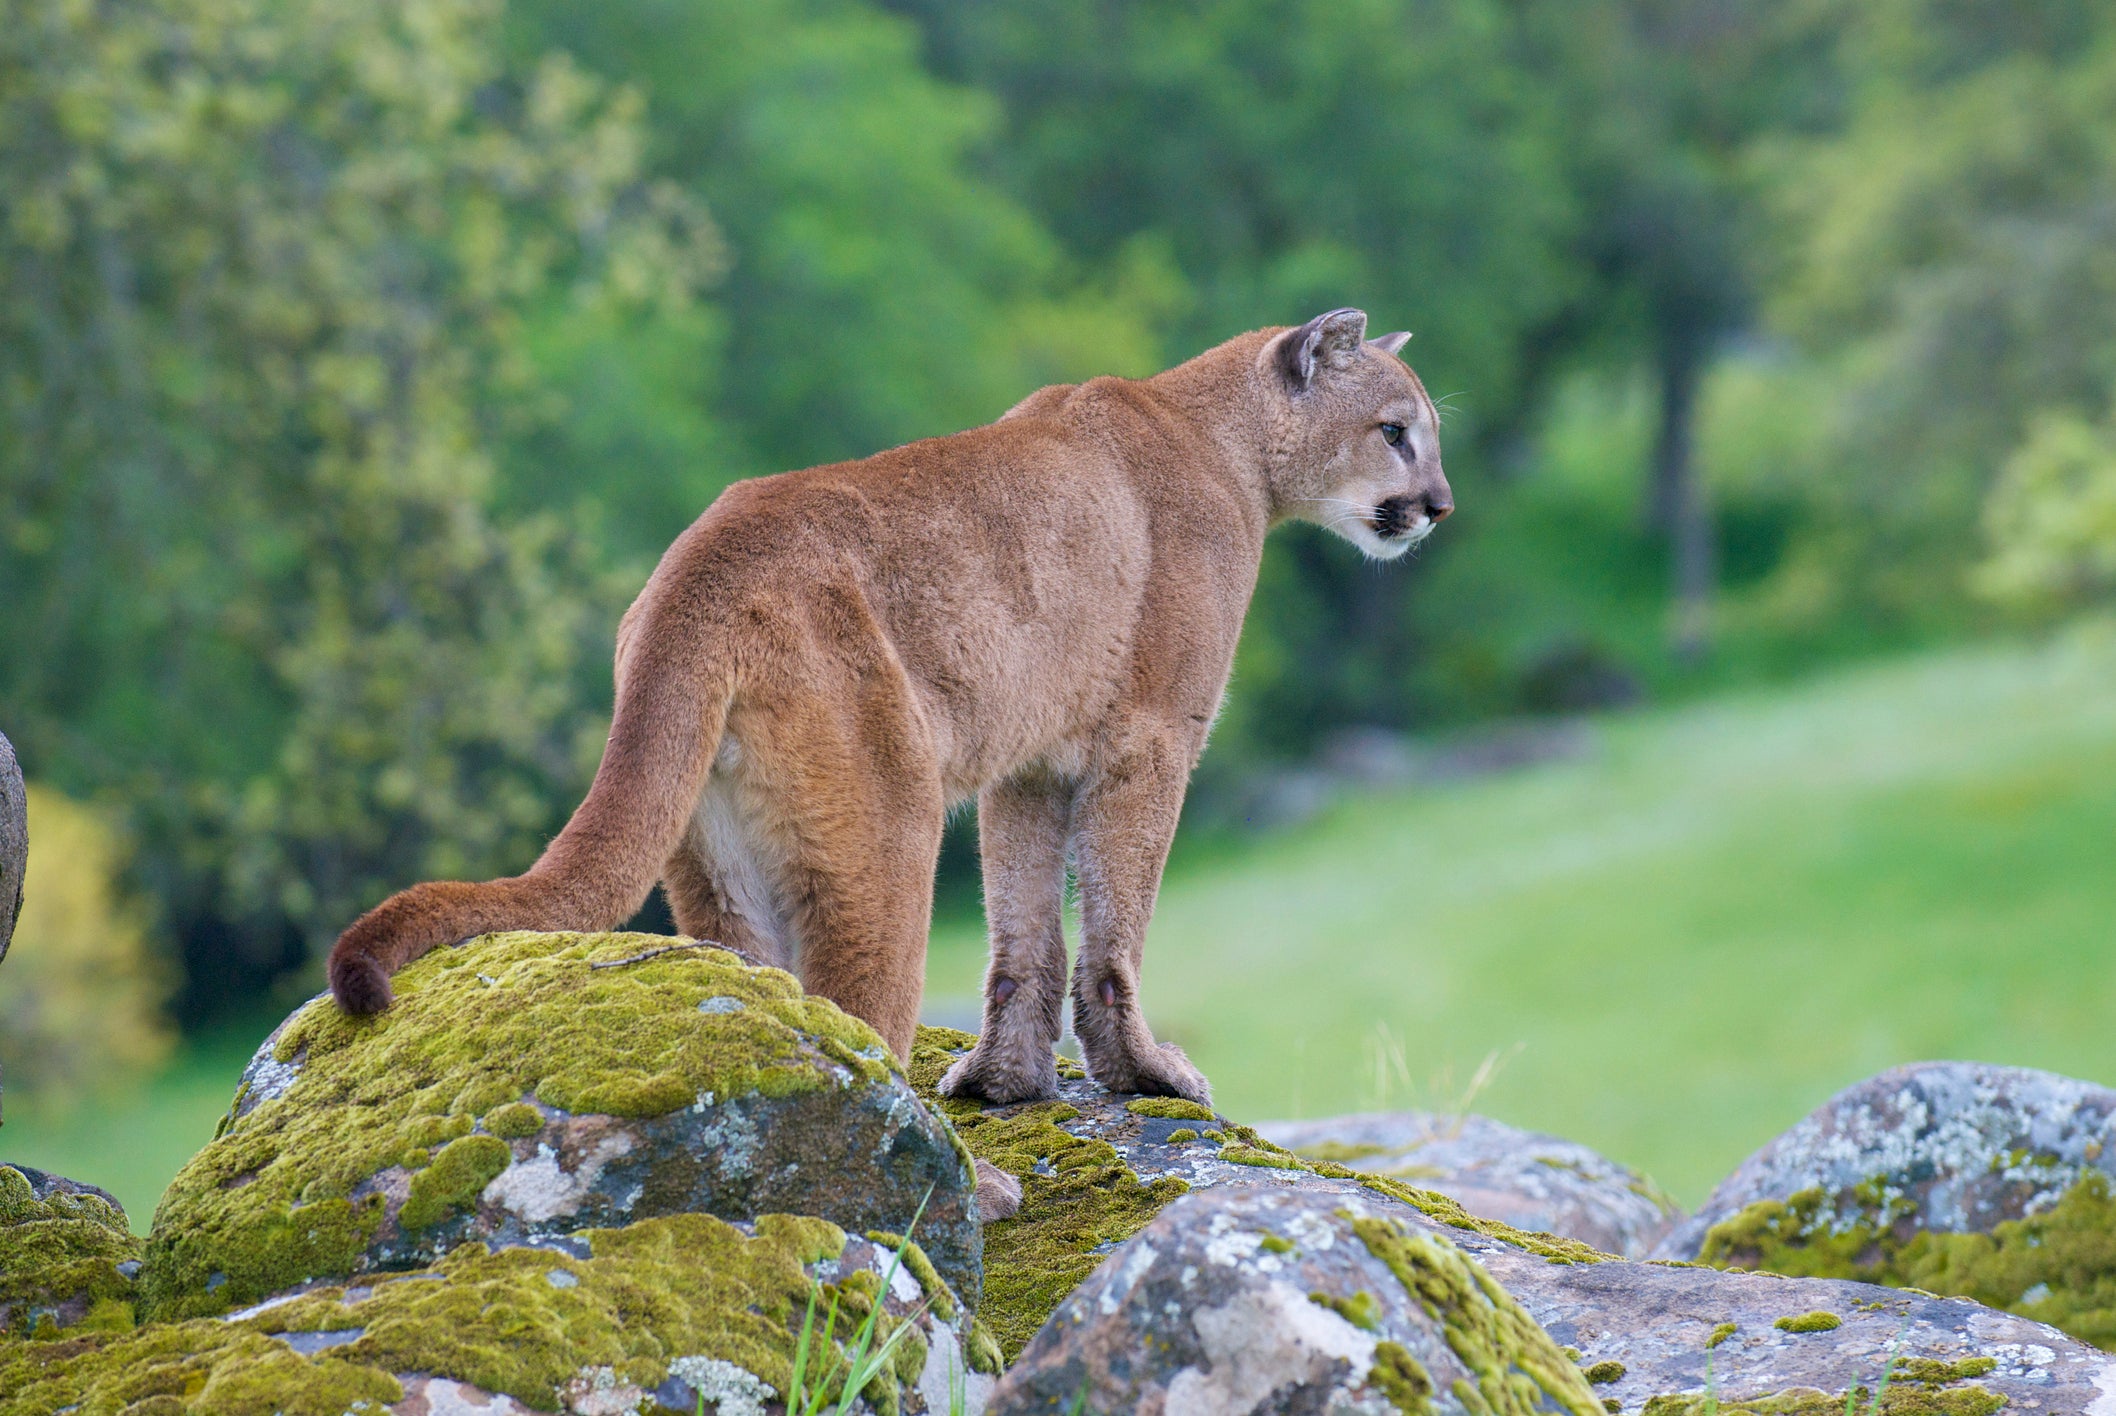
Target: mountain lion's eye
x,y
1392,434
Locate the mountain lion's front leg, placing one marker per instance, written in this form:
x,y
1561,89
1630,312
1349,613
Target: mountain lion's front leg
x,y
1124,819
1021,828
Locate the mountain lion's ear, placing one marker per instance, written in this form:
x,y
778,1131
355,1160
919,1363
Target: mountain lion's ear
x,y
1391,343
1327,341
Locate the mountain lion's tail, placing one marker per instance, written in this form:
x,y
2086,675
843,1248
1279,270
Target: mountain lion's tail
x,y
598,871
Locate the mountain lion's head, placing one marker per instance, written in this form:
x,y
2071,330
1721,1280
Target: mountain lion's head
x,y
1359,451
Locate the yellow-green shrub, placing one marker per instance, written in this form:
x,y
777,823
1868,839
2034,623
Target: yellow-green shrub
x,y
82,990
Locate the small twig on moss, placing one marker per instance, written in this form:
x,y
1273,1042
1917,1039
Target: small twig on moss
x,y
672,948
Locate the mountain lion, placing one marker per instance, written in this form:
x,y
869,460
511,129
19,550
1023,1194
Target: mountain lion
x,y
1041,613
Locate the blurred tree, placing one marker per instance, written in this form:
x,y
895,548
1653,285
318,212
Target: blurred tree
x,y
263,271
2052,517
882,287
1948,257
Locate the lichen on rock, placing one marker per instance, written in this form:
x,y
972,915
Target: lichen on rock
x,y
1993,1183
1808,1401
67,1256
526,1086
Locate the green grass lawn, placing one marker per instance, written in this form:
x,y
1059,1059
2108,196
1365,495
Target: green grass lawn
x,y
1680,943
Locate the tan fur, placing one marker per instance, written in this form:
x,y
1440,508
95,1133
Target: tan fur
x,y
1040,613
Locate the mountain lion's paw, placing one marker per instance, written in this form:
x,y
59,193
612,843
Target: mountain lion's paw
x,y
1163,1070
985,1076
998,1193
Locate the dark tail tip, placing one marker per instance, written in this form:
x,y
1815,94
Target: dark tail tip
x,y
360,984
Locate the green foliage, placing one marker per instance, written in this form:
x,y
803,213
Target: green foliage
x,y
1946,258
263,269
2052,516
879,289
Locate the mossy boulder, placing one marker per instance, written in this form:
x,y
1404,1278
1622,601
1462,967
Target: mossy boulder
x,y
525,1087
1954,1177
67,1256
1531,1181
676,1314
1096,1167
1252,1299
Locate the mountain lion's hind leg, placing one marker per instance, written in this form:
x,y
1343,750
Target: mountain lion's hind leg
x,y
700,902
855,809
1124,819
1021,828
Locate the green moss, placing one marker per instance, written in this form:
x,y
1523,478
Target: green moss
x,y
1089,1198
1277,1244
1402,1378
982,1352
921,1268
1806,1401
1449,1211
177,1369
1603,1373
1339,1151
1169,1108
1181,1135
426,1132
684,1285
513,1121
2057,1266
1515,1364
1250,1155
452,1183
1361,1310
1809,1322
59,1259
1720,1334
1927,1371
583,1022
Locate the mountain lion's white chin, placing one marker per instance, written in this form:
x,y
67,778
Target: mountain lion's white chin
x,y
1376,546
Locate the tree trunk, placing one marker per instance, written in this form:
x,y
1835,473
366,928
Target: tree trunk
x,y
1677,504
14,845
14,842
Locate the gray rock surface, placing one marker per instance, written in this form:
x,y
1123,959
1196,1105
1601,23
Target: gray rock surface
x,y
1957,1147
14,842
1251,1299
43,1184
1531,1181
1658,1322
